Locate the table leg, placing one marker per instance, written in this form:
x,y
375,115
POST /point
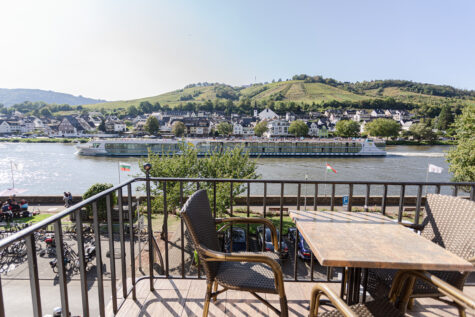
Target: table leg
x,y
365,284
353,280
343,283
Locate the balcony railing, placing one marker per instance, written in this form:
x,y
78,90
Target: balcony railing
x,y
271,193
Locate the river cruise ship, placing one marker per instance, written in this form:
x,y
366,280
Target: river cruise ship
x,y
255,148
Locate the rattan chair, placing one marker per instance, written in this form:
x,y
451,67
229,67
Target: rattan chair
x,y
392,305
254,272
449,222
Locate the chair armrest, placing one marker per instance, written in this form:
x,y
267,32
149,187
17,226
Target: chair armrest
x,y
417,227
215,256
263,221
322,289
445,288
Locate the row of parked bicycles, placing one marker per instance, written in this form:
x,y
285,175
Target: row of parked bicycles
x,y
70,256
45,245
15,253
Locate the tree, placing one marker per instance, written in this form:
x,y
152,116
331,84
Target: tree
x,y
45,112
233,163
421,131
132,111
347,128
224,128
445,118
102,126
178,128
152,126
298,128
383,128
462,157
260,128
146,107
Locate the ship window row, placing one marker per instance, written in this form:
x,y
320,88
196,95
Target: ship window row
x,y
255,148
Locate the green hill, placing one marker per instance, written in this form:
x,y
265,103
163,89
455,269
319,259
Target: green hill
x,y
306,89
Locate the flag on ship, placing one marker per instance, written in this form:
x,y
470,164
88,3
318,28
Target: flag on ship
x,y
435,169
124,167
329,168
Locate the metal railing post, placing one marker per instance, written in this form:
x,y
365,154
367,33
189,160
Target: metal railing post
x,y
248,202
82,263
384,199
182,228
350,198
33,273
418,204
281,223
110,232
123,257
2,307
165,226
63,288
132,239
97,239
147,168
401,203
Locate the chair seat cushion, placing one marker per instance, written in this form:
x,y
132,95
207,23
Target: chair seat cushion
x,y
375,308
246,276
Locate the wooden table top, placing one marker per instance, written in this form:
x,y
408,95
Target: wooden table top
x,y
371,240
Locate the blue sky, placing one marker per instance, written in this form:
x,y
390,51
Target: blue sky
x,y
117,49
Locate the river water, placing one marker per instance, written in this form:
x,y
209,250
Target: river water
x,y
51,169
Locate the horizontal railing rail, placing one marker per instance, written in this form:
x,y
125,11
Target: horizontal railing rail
x,y
172,241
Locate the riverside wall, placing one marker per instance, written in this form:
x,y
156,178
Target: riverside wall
x,y
254,200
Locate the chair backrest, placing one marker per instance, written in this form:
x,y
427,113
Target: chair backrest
x,y
450,222
201,227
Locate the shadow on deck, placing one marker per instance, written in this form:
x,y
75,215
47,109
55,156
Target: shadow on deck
x,y
185,297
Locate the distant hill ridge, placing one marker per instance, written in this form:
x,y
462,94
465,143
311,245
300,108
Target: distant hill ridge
x,y
307,89
9,97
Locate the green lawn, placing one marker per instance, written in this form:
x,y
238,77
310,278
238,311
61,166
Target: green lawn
x,y
30,220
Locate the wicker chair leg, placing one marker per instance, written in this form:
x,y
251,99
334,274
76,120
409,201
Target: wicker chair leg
x,y
314,303
207,299
411,303
284,310
215,289
406,294
462,312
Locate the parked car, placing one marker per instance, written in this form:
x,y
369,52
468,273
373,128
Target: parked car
x,y
267,242
239,240
303,250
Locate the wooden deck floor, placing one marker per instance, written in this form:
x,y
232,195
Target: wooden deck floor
x,y
178,297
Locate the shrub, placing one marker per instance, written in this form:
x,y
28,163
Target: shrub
x,y
101,203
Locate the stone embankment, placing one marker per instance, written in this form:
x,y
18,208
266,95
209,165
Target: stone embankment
x,y
254,200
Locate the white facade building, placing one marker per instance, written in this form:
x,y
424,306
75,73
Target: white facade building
x,y
277,128
267,114
4,128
